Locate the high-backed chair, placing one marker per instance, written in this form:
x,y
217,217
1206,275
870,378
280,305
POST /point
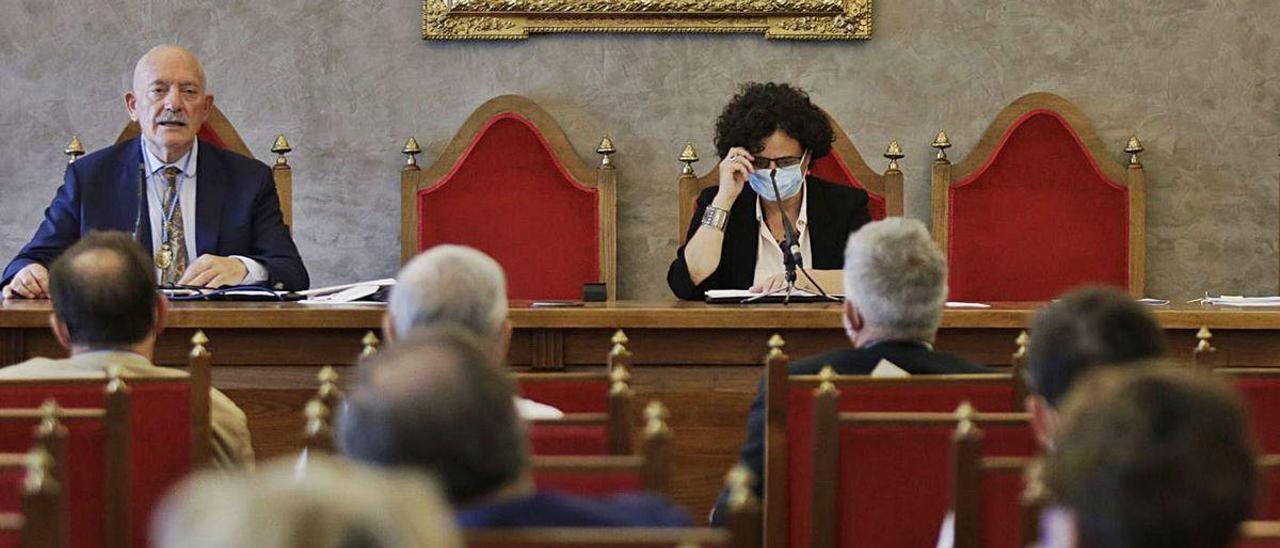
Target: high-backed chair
x,y
995,501
597,406
511,185
598,475
218,131
789,428
39,522
1039,207
166,422
844,165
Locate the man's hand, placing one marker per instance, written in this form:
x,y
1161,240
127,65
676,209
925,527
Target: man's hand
x,y
32,282
214,271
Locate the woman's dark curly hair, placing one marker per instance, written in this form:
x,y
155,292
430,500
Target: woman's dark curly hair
x,y
760,109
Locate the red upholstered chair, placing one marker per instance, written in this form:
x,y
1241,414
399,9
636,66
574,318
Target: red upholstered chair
x,y
94,436
1259,534
597,406
992,501
789,429
39,518
602,475
1260,392
1039,207
217,130
511,185
844,165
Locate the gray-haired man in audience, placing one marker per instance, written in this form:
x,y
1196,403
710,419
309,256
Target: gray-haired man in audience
x,y
458,285
895,282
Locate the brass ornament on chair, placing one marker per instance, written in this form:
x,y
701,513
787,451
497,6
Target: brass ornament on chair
x,y
411,149
74,149
894,153
517,19
1133,148
688,156
942,143
281,147
604,150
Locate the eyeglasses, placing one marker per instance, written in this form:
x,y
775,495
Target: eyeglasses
x,y
761,162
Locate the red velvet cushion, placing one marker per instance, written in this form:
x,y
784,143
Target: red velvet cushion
x,y
1267,505
832,168
554,439
570,396
159,442
1037,219
1261,395
940,396
511,197
10,489
10,540
1002,509
85,469
589,484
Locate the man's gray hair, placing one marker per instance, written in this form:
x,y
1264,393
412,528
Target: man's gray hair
x,y
451,284
897,277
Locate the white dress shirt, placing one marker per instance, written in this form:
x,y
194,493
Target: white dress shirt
x,y
257,272
769,253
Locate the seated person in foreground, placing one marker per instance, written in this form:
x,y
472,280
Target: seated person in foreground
x,y
337,504
1090,328
438,402
1150,457
895,288
106,312
736,232
212,217
458,285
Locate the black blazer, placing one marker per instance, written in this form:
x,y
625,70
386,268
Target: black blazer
x,y
912,357
835,211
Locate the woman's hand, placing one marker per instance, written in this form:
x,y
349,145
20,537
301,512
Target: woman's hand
x,y
734,169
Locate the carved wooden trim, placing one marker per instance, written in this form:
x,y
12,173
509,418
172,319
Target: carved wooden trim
x,y
117,456
199,379
548,349
826,468
777,492
602,178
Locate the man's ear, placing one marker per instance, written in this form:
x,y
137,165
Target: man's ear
x,y
388,333
60,331
162,311
131,104
852,319
1044,420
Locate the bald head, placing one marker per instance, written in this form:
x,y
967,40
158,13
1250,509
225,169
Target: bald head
x,y
103,291
168,100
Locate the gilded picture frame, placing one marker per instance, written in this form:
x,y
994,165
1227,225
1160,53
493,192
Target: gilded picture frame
x,y
517,19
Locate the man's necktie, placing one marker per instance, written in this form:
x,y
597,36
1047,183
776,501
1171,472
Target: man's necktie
x,y
175,243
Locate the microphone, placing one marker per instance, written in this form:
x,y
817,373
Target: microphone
x,y
791,257
142,204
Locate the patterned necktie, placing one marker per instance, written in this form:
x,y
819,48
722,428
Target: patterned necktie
x,y
176,242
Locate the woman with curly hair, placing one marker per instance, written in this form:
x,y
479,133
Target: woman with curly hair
x,y
768,133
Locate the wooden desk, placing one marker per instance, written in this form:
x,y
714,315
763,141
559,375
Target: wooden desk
x,y
701,360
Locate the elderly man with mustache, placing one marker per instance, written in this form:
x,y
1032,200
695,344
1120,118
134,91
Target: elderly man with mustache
x,y
209,217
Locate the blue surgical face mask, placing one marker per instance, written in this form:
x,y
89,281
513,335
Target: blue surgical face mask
x,y
789,181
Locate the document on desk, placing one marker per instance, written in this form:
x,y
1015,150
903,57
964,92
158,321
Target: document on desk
x,y
1244,302
742,296
346,293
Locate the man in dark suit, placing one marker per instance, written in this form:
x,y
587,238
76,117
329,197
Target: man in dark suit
x,y
895,282
211,217
440,402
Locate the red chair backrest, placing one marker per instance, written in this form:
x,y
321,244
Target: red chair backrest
x,y
918,394
159,441
596,537
571,393
1039,217
85,471
590,484
511,196
834,169
1002,509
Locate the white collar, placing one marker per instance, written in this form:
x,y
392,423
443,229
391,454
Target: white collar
x,y
187,163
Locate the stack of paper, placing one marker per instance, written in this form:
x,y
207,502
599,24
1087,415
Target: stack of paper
x,y
1235,300
345,293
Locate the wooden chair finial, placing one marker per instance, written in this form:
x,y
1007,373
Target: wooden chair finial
x,y
318,433
115,383
39,472
1204,346
1133,148
49,411
826,381
370,342
655,415
281,147
942,143
412,150
619,338
966,415
605,149
1021,341
198,342
776,342
893,153
688,156
74,149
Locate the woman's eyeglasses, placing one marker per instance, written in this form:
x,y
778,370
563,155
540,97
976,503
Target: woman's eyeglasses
x,y
761,162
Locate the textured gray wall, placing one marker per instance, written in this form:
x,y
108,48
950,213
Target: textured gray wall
x,y
347,81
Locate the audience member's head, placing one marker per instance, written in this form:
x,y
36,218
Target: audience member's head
x,y
1153,457
895,282
1088,328
438,402
337,504
104,295
450,284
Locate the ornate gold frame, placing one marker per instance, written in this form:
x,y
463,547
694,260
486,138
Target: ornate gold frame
x,y
517,19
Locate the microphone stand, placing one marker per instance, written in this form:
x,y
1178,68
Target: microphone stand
x,y
142,205
792,259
